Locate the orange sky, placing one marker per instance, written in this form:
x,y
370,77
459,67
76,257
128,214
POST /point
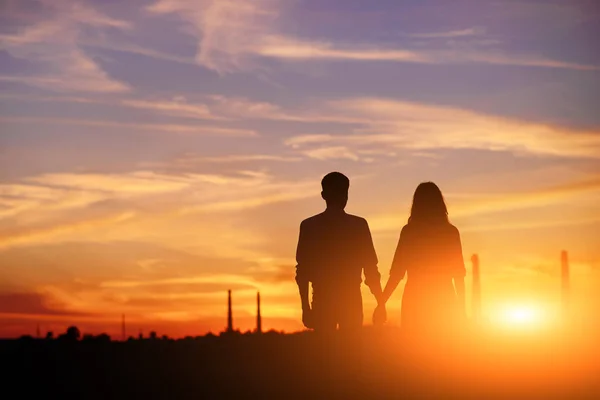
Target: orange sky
x,y
152,157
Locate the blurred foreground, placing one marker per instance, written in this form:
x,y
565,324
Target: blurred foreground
x,y
377,364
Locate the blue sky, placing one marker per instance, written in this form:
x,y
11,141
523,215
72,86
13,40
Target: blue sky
x,y
199,130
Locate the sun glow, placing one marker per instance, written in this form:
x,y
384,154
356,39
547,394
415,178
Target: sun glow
x,y
523,316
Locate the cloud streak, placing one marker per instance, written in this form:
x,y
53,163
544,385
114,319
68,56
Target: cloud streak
x,y
403,125
52,41
231,37
449,34
167,128
476,204
51,206
178,107
227,29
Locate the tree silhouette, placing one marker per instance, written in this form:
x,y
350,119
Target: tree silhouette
x,y
73,333
103,337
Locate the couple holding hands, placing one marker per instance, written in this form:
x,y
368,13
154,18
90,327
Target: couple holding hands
x,y
336,248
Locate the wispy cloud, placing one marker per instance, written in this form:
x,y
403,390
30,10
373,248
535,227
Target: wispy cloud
x,y
41,234
379,124
194,161
51,41
227,29
530,225
167,128
103,43
485,203
449,34
211,107
231,37
234,279
31,303
476,204
398,124
248,157
54,206
139,182
331,153
238,107
177,107
291,49
287,48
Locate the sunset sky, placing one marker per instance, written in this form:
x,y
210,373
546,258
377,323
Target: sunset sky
x,y
154,154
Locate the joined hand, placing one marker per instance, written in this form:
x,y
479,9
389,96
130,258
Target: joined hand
x,y
379,315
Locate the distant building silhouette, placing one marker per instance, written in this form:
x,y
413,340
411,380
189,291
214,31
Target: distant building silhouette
x,y
258,316
476,289
565,283
229,313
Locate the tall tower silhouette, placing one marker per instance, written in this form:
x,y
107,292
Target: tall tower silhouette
x,y
476,293
258,316
123,327
565,284
229,313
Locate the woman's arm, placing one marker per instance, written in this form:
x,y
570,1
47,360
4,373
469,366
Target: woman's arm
x,y
459,285
398,269
459,271
390,286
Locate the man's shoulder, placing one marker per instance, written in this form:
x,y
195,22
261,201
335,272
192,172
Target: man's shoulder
x,y
356,219
315,219
322,218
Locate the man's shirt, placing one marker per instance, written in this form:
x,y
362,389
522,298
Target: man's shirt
x,y
333,250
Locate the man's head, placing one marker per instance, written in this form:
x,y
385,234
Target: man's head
x,y
335,190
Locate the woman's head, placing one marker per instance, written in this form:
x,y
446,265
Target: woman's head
x,y
428,204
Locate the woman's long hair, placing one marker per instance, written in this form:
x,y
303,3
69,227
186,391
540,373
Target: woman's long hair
x,y
428,205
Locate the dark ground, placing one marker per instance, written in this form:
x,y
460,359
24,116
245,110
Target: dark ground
x,y
378,364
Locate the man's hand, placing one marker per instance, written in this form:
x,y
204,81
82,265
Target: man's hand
x,y
307,318
379,315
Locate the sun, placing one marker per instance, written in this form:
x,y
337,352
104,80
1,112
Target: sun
x,y
521,317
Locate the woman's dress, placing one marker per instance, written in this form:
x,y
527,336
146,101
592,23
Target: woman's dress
x,y
431,256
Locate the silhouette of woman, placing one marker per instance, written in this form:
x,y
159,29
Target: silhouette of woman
x,y
429,252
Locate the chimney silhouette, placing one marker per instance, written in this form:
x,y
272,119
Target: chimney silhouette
x,y
565,284
229,313
123,327
476,293
258,316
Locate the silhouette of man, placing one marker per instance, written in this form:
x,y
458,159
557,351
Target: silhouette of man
x,y
334,248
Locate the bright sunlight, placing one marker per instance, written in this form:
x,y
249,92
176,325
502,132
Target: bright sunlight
x,y
523,316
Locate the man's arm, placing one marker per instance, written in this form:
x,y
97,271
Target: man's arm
x,y
301,268
372,275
